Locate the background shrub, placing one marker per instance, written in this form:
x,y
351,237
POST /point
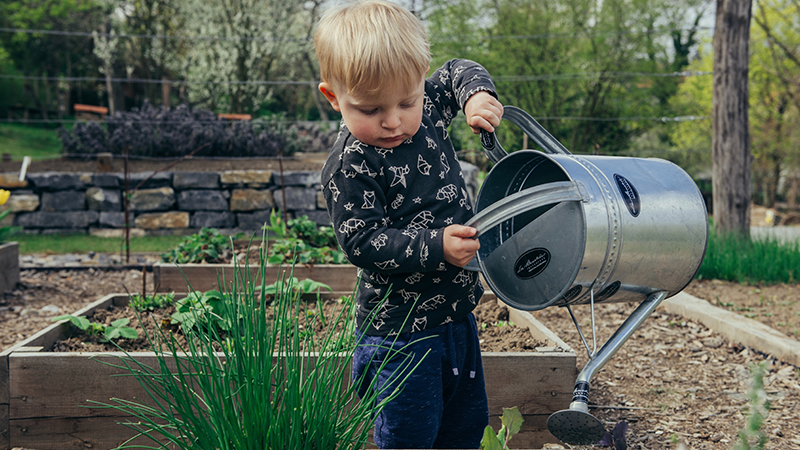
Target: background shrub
x,y
152,131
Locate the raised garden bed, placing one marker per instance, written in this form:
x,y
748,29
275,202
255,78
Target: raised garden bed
x,y
41,392
9,266
169,277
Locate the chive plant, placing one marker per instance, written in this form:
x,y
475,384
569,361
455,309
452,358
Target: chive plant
x,y
735,258
264,383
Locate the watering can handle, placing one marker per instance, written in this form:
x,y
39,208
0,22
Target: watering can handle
x,y
534,130
523,201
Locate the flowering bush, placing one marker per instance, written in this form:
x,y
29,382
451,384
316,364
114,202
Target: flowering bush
x,y
7,231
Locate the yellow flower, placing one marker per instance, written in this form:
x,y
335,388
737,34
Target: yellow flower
x,y
4,194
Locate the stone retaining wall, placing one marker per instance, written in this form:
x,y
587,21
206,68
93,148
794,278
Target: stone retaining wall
x,y
165,203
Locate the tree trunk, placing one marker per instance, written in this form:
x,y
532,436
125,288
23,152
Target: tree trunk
x,y
730,145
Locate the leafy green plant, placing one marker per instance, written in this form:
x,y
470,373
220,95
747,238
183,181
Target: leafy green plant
x,y
151,302
268,386
511,421
117,329
307,286
207,245
302,241
752,437
202,308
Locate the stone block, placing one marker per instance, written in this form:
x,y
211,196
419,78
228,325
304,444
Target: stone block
x,y
110,219
99,199
23,202
66,219
51,231
306,179
56,181
69,200
159,199
159,180
107,180
296,198
209,219
203,200
321,203
116,232
10,180
251,200
250,178
195,180
155,221
249,222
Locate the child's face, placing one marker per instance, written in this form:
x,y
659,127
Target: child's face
x,y
383,121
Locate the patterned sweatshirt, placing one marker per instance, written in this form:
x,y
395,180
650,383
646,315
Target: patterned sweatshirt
x,y
389,208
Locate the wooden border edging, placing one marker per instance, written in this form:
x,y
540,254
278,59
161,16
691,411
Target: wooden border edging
x,y
205,277
41,392
748,332
9,266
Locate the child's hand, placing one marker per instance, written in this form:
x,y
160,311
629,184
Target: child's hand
x,y
459,247
483,111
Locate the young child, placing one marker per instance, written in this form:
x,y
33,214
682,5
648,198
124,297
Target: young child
x,y
396,197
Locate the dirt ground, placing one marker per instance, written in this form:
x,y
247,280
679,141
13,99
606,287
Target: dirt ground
x,y
675,382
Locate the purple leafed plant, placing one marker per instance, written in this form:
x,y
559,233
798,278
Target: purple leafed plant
x,y
616,438
156,131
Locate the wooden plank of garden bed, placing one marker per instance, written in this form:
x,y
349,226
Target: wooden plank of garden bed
x,y
77,433
539,384
205,277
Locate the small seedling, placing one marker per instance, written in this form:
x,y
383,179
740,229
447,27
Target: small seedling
x,y
511,424
117,329
151,302
752,437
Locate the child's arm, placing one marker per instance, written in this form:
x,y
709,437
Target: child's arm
x,y
459,246
483,111
461,84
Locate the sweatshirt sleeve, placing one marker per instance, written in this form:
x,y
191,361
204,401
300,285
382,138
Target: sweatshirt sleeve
x,y
454,83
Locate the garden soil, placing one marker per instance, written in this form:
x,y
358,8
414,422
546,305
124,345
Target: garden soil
x,y
675,382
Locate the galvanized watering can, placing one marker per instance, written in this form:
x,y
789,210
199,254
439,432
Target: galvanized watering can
x,y
562,229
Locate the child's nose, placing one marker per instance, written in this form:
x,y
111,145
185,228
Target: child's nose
x,y
391,121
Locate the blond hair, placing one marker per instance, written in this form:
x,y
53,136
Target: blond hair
x,y
369,45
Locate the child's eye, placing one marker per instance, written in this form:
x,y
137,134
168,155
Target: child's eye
x,y
408,105
369,112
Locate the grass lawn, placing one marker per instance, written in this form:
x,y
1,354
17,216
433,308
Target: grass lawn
x,y
58,244
36,142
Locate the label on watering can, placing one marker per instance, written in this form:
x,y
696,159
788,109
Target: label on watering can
x,y
532,263
629,194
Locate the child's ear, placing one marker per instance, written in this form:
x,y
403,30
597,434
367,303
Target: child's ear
x,y
326,90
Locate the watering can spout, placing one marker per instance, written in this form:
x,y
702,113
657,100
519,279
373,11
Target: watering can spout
x,y
575,425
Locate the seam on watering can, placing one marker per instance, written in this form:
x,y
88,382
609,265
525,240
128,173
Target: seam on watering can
x,y
611,256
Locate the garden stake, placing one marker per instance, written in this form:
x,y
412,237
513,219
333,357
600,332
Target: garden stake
x,y
127,208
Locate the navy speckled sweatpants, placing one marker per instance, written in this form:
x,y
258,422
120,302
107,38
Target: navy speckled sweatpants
x,y
443,403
